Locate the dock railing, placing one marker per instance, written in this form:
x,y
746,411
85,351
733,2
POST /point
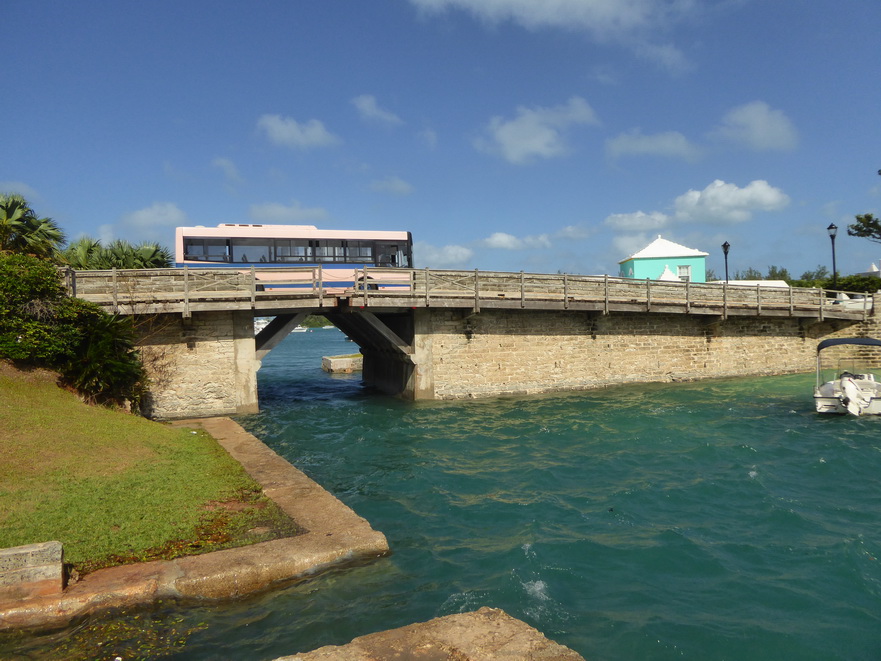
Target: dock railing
x,y
181,288
432,286
130,290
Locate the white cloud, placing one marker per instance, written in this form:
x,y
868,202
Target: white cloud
x,y
757,126
580,231
670,143
719,203
725,203
18,188
288,132
393,185
505,241
451,256
600,17
631,23
370,110
230,172
273,212
638,221
665,56
429,137
535,132
149,224
604,74
630,244
106,233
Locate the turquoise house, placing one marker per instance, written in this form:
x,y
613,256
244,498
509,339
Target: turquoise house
x,y
665,260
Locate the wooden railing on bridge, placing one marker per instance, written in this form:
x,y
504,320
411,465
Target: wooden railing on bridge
x,y
186,290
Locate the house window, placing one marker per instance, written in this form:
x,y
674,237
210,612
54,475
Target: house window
x,y
684,273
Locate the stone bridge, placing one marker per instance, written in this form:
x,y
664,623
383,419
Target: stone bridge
x,y
440,334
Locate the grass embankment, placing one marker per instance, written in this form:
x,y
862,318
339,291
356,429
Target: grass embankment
x,y
115,488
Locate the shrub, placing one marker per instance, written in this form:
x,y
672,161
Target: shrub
x,y
105,366
24,278
31,298
860,283
853,283
40,325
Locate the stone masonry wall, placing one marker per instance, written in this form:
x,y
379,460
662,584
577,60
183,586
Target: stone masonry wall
x,y
497,352
854,357
204,365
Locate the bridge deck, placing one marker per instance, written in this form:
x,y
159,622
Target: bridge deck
x,y
275,291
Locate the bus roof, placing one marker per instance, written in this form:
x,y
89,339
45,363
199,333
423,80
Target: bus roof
x,y
236,230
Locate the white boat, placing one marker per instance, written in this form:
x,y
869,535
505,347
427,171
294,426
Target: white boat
x,y
851,389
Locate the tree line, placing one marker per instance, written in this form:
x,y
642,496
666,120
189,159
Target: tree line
x,y
819,278
865,226
93,352
23,231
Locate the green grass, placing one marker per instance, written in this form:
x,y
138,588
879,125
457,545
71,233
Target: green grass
x,y
115,488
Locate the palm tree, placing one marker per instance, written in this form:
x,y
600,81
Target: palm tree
x,y
87,253
146,255
83,254
152,256
22,232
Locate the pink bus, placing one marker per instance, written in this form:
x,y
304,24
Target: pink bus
x,y
340,254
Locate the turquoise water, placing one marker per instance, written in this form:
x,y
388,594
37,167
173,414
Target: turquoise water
x,y
712,520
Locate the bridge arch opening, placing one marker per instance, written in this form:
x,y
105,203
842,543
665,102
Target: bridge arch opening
x,y
384,338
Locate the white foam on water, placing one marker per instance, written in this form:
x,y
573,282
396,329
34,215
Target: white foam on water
x,y
537,590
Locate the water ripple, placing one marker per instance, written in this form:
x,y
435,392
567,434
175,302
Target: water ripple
x,y
706,520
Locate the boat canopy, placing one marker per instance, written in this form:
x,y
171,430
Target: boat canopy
x,y
861,341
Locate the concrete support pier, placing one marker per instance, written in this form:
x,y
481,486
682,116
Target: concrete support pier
x,y
199,366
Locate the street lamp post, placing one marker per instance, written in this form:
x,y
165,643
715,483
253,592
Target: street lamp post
x,y
833,230
725,247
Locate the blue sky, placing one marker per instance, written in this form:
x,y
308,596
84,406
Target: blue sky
x,y
545,136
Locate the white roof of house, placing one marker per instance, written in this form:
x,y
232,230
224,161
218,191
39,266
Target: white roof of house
x,y
661,247
668,275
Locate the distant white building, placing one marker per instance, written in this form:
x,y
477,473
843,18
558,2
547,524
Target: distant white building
x,y
665,260
873,271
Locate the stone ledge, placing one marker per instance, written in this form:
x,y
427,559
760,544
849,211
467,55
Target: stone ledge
x,y
335,537
31,570
488,634
342,364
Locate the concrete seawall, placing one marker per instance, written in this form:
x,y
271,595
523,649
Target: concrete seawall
x,y
500,352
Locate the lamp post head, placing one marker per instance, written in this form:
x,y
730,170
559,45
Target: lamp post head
x,y
725,247
832,229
